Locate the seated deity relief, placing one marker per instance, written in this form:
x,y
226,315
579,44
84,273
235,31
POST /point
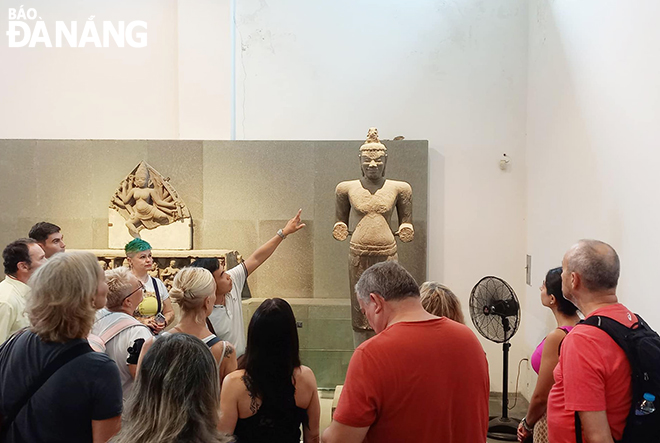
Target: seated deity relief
x,y
146,200
167,275
371,200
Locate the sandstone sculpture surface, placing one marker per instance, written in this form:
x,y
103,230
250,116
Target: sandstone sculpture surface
x,y
146,200
371,200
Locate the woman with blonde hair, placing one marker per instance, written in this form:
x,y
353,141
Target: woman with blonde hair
x,y
193,289
54,388
175,398
439,300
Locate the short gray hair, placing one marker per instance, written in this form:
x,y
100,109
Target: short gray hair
x,y
119,285
388,279
597,263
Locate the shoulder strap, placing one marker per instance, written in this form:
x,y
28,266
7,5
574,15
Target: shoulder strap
x,y
210,326
578,428
618,332
63,358
561,328
613,328
155,283
114,329
562,340
213,341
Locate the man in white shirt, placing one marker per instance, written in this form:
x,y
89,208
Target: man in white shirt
x,y
227,316
21,259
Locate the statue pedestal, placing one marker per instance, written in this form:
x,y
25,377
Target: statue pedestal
x,y
175,236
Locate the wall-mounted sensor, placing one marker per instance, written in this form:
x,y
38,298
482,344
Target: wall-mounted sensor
x,y
504,162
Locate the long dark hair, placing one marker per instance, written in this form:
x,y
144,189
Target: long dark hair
x,y
272,353
553,287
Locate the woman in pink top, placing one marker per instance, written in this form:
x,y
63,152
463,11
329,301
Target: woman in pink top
x,y
546,356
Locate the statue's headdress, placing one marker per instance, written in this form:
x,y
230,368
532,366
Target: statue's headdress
x,y
142,171
372,143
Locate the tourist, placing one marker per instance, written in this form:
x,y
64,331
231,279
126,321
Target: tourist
x,y
54,387
193,290
175,398
156,310
421,378
545,357
593,376
49,237
21,258
121,334
439,300
272,394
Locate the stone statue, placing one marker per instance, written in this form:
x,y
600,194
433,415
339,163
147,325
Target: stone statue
x,y
146,200
155,271
167,275
371,201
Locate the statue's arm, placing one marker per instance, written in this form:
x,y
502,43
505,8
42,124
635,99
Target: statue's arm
x,y
406,231
160,203
342,212
123,196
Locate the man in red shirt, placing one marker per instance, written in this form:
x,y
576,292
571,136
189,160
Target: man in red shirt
x,y
593,375
421,379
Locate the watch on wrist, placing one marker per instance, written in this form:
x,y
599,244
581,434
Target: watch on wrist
x,y
526,425
281,234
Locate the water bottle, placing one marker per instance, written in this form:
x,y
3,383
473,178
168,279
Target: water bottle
x,y
646,406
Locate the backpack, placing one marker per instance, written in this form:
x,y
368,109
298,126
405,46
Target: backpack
x,y
98,342
642,347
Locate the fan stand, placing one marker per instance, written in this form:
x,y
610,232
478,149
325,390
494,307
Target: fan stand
x,y
503,427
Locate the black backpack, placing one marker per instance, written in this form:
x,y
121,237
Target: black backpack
x,y
642,347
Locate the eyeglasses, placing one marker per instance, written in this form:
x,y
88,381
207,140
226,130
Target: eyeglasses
x,y
141,288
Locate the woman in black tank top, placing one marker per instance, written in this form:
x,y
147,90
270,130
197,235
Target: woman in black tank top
x,y
271,394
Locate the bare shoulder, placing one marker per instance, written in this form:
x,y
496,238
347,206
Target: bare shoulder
x,y
305,377
235,378
555,337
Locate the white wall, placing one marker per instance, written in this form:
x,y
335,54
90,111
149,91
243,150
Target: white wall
x,y
592,135
452,72
176,87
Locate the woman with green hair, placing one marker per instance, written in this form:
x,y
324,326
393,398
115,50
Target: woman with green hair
x,y
156,310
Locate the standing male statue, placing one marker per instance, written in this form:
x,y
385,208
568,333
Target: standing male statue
x,y
371,200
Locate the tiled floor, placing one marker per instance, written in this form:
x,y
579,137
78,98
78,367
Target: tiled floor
x,y
518,411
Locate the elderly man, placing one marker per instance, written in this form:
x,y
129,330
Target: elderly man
x,y
21,259
421,379
49,237
593,376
